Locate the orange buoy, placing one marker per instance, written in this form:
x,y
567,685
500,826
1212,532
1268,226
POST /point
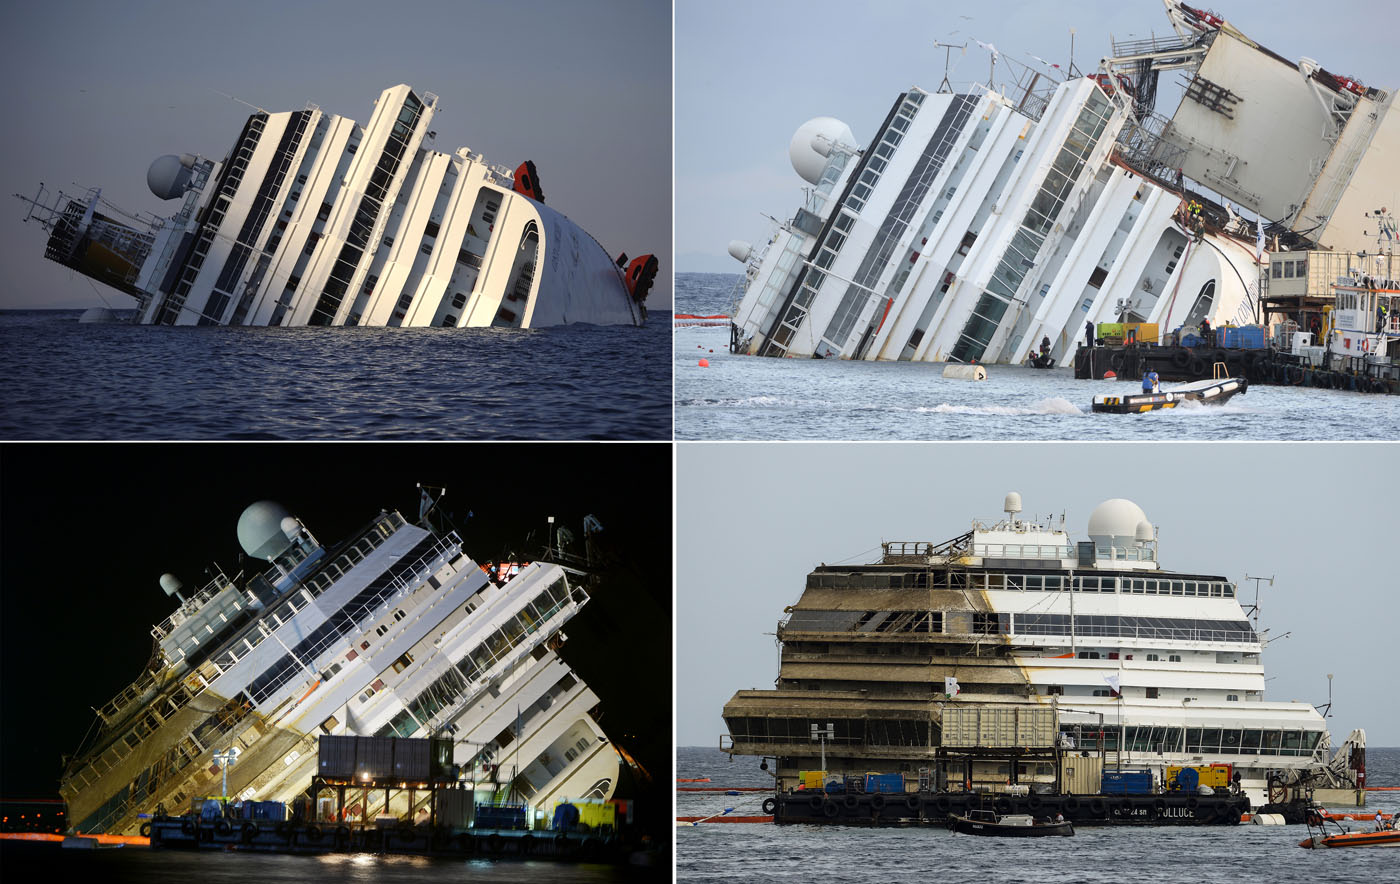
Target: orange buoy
x,y
1109,375
704,363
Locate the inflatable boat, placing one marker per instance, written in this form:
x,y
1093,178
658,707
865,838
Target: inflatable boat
x,y
1210,391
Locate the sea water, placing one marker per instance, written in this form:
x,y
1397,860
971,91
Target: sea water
x,y
66,380
1243,854
747,397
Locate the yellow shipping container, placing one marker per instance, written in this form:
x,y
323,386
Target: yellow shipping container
x,y
1146,331
814,779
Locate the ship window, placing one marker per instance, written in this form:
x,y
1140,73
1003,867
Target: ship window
x,y
324,213
1097,277
381,630
398,615
1174,658
1153,658
1152,693
449,321
1233,698
426,248
459,299
431,229
301,179
968,239
403,662
1055,690
364,646
1089,655
351,147
1101,692
388,241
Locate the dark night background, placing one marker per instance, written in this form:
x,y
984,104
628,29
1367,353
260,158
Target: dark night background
x,y
87,530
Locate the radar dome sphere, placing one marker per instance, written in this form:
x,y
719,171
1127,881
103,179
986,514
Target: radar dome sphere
x,y
170,583
1116,520
168,177
1012,503
260,529
808,159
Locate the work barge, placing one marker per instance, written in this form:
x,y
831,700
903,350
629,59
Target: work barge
x,y
397,796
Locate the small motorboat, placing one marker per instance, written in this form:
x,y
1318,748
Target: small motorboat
x,y
1021,825
1212,391
1385,834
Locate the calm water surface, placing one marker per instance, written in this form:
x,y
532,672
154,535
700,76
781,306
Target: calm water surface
x,y
65,380
1244,854
745,397
24,863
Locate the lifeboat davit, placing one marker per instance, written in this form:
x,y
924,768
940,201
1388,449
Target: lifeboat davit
x,y
527,181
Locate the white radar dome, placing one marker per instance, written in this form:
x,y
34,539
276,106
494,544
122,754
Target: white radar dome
x,y
1144,532
260,529
169,176
1012,504
740,250
291,527
811,144
1116,522
170,583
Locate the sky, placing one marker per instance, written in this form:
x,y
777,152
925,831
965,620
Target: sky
x,y
87,530
98,90
749,74
754,519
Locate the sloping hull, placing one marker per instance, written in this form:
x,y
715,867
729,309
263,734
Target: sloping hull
x,y
965,826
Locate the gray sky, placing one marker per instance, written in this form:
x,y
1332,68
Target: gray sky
x,y
753,519
748,74
98,90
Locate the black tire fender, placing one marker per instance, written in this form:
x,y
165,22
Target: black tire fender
x,y
941,803
830,809
313,833
222,827
146,829
769,805
1096,806
1071,804
877,801
850,801
1002,805
187,826
1181,359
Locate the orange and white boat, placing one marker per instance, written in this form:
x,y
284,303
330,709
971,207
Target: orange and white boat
x,y
1385,834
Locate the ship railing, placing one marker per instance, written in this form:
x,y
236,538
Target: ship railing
x,y
251,636
1126,553
1022,551
190,607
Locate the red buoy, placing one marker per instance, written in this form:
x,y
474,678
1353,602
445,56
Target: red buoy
x,y
1109,375
704,363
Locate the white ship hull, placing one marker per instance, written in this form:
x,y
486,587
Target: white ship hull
x,y
400,634
314,220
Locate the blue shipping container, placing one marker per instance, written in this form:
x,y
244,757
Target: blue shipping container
x,y
1127,782
890,782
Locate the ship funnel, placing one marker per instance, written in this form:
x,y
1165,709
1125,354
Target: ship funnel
x,y
260,530
740,251
172,585
1012,504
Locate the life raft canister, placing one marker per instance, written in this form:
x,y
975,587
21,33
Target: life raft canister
x,y
641,273
527,181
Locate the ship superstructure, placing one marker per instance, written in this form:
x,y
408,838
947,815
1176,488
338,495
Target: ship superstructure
x,y
975,225
394,632
1134,664
312,219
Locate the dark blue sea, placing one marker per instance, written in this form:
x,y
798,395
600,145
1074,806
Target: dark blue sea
x,y
747,397
66,380
1244,854
22,862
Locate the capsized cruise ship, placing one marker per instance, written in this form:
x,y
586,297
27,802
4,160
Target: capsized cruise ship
x,y
395,632
312,219
974,225
1136,666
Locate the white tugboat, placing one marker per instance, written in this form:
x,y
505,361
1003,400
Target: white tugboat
x,y
312,219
